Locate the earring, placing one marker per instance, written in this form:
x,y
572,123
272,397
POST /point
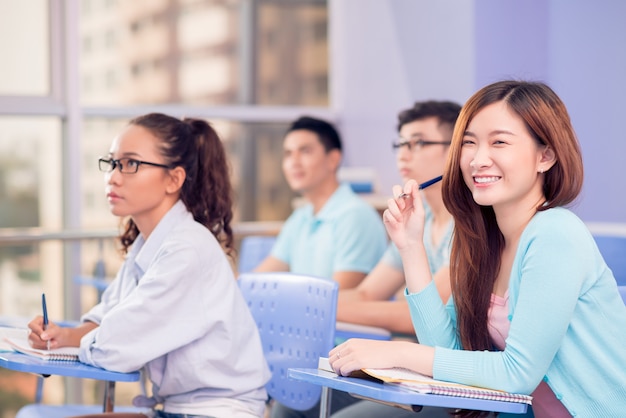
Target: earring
x,y
541,171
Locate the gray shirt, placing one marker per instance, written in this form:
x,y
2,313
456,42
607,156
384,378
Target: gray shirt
x,y
176,309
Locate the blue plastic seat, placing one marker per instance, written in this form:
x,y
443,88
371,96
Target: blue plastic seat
x,y
613,249
622,292
295,315
40,410
65,411
253,250
346,330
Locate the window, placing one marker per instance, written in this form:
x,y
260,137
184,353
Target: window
x,y
30,184
205,45
24,48
201,58
30,172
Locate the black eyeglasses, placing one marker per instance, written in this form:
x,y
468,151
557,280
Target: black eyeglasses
x,y
415,144
125,165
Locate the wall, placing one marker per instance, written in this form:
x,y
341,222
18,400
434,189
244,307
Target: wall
x,y
587,67
387,54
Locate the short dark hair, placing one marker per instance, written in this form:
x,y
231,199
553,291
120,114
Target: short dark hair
x,y
326,132
446,111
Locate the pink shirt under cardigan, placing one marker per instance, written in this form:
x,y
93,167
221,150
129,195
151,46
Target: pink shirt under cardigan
x,y
545,403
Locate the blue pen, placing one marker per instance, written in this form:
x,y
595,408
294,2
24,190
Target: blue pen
x,y
430,182
45,316
423,186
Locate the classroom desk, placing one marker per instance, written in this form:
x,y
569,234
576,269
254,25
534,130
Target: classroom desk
x,y
393,394
346,330
23,363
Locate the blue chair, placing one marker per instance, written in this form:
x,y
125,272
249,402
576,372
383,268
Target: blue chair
x,y
622,292
66,411
613,249
98,280
253,250
345,330
40,410
295,315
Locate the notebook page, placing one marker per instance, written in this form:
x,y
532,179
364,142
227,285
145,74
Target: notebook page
x,y
21,345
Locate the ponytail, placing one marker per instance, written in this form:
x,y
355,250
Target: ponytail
x,y
207,192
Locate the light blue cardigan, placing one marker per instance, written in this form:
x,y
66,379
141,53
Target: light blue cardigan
x,y
568,323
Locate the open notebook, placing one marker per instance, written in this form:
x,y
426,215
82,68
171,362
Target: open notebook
x,y
11,332
19,342
411,380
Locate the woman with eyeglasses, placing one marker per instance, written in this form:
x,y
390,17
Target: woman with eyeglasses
x,y
534,308
174,307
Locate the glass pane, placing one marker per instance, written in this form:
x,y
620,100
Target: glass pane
x,y
203,52
256,151
146,52
100,258
292,58
24,48
30,186
30,172
98,133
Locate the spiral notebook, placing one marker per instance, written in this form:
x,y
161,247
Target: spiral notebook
x,y
417,382
20,344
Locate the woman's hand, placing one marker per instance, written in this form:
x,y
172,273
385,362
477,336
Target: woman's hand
x,y
404,216
58,336
38,337
357,354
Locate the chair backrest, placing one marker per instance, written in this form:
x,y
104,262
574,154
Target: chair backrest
x,y
613,249
253,250
295,315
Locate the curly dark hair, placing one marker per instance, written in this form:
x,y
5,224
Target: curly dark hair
x,y
207,192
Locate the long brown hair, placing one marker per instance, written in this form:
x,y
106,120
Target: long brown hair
x,y
477,243
193,145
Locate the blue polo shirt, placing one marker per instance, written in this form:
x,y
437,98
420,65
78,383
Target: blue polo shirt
x,y
347,234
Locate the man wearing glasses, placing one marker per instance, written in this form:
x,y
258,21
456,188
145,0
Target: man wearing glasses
x,y
425,132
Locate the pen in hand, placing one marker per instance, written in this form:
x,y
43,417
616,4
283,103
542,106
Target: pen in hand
x,y
422,186
45,316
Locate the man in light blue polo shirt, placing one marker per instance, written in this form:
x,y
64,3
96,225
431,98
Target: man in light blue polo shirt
x,y
335,234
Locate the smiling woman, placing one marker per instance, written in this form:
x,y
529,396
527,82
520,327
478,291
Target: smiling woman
x,y
518,256
501,161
